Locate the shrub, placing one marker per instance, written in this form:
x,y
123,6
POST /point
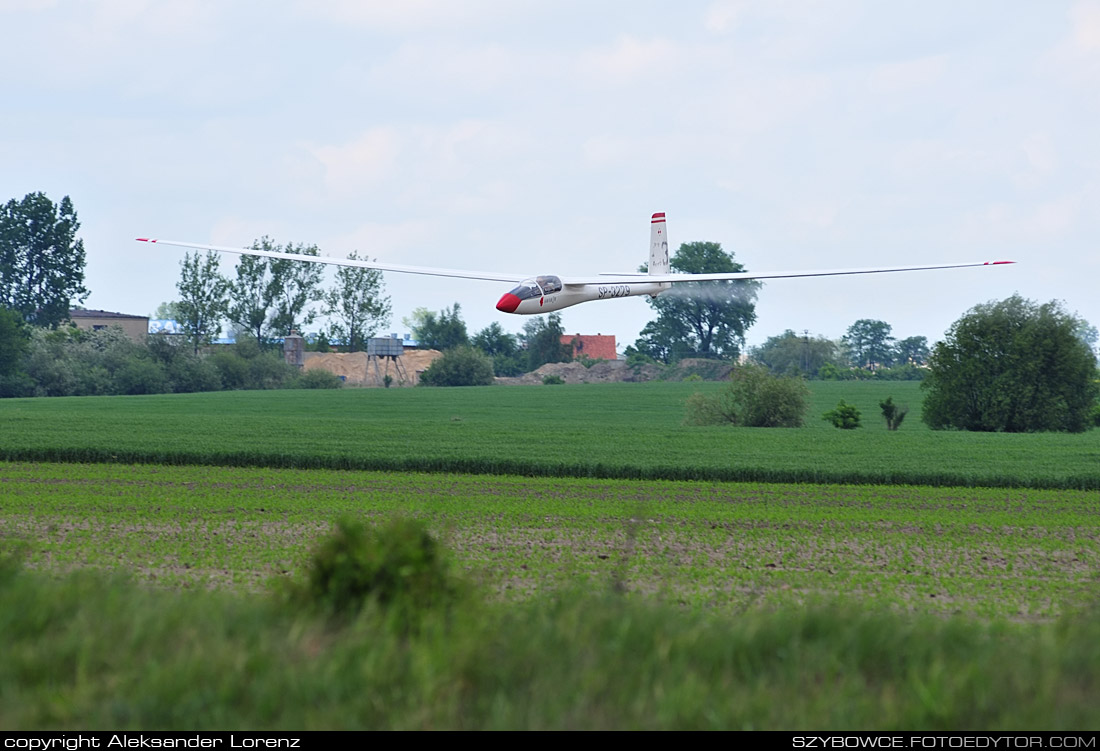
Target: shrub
x,y
317,379
845,416
246,365
754,398
552,380
397,565
460,366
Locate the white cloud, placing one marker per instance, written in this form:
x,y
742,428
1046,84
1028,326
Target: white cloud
x,y
908,74
723,16
411,15
361,163
629,59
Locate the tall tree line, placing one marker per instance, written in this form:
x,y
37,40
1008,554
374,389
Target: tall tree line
x,y
41,259
271,297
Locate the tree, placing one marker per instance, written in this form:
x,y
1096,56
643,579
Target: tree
x,y
356,305
911,351
204,298
542,335
869,344
442,331
700,319
791,354
1013,366
1089,335
459,366
893,413
252,294
503,348
297,285
41,259
14,341
167,311
269,296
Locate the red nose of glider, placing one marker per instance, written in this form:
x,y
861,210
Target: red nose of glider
x,y
507,303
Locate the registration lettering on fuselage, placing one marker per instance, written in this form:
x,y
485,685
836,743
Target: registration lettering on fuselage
x,y
614,290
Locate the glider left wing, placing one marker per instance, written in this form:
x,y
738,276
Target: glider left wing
x,y
491,276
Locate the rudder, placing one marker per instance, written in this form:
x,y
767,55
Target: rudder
x,y
658,245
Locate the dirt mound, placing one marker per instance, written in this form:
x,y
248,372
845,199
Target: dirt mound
x,y
603,371
357,370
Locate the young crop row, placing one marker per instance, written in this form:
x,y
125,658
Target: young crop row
x,y
1017,553
624,431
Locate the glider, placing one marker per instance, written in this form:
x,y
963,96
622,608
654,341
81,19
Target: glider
x,y
547,293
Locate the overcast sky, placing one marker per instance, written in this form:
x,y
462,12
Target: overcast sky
x,y
539,137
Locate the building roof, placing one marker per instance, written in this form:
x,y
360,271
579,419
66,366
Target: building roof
x,y
104,314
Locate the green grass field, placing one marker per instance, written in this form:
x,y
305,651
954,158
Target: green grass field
x,y
1020,554
623,573
613,430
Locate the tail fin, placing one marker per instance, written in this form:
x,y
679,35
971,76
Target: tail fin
x,y
658,246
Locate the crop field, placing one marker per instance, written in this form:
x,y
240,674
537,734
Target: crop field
x,y
629,431
628,571
1019,554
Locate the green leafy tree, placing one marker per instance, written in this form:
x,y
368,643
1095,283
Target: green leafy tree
x,y
893,413
14,341
459,366
442,331
869,344
41,259
1088,333
700,319
204,298
795,354
754,398
167,311
270,297
912,351
542,335
298,285
1013,366
251,295
356,305
503,348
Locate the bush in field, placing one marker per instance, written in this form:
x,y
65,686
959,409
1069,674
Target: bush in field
x,y
753,398
552,380
247,365
845,416
397,565
317,379
186,371
460,366
73,362
893,413
1012,366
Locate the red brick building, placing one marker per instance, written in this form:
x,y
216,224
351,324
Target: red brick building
x,y
596,346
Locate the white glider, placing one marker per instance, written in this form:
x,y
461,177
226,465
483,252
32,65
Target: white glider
x,y
547,293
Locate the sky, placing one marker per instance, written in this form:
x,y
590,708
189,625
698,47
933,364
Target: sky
x,y
539,137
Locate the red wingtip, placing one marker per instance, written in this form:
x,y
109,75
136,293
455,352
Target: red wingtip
x,y
997,263
145,240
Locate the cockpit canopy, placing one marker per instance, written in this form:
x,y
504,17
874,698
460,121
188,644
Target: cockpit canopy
x,y
537,287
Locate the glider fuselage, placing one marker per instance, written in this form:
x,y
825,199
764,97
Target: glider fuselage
x,y
545,294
